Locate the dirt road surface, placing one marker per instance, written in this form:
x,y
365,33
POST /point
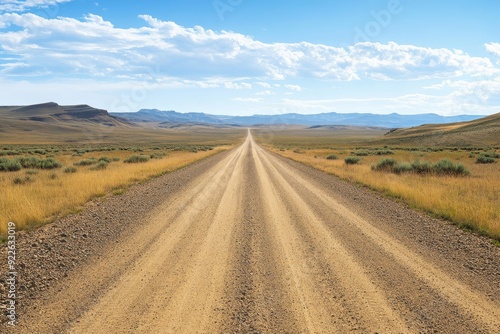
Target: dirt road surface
x,y
252,243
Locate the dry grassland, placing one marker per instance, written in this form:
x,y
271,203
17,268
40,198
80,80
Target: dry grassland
x,y
32,197
471,202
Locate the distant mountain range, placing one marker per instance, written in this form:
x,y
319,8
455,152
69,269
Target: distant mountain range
x,y
357,119
51,122
55,114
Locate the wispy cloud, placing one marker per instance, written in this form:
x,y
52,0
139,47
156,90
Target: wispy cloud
x,y
248,99
295,88
23,5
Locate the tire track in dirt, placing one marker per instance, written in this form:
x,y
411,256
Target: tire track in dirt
x,y
471,303
255,245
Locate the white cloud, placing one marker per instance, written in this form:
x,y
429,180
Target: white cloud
x,y
295,88
475,98
23,5
494,48
247,99
94,47
264,84
235,85
163,55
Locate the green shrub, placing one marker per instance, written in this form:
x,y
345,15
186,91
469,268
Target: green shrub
x,y
100,165
9,165
86,162
447,167
385,165
105,159
493,155
483,159
402,167
157,155
332,157
383,152
49,163
361,153
70,170
352,160
136,159
442,167
33,162
421,167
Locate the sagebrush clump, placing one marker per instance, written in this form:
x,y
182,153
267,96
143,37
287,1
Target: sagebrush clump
x,y
442,167
137,159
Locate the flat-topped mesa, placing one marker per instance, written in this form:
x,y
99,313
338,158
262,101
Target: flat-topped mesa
x,y
37,107
84,111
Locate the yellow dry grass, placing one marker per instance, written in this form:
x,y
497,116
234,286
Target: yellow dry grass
x,y
472,202
53,193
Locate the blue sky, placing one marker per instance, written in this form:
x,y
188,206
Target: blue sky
x,y
242,57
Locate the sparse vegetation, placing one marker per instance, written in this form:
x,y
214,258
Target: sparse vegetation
x,y
33,201
33,162
85,162
100,165
157,155
352,160
424,181
70,170
7,165
136,159
485,159
442,167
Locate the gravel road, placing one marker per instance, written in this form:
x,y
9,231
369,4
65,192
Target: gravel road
x,y
249,242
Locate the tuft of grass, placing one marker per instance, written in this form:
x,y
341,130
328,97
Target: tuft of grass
x,y
332,157
19,180
104,159
158,155
352,160
136,159
70,170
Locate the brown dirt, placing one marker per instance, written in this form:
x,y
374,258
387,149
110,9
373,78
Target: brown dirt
x,y
250,242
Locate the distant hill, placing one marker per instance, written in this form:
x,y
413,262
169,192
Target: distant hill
x,y
480,132
50,122
53,113
357,119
